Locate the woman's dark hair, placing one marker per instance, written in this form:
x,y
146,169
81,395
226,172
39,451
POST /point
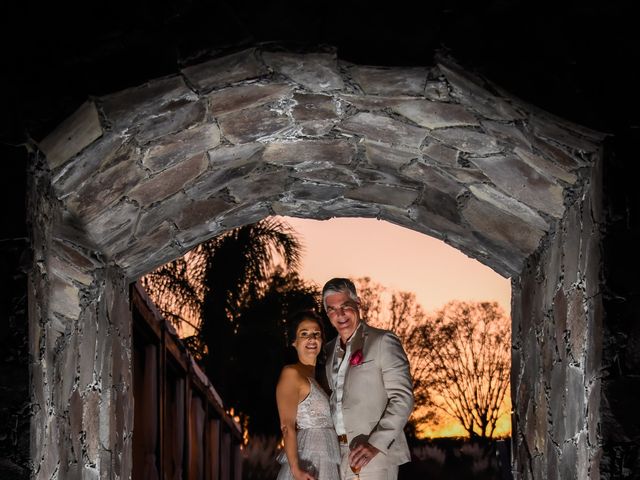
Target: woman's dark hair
x,y
297,318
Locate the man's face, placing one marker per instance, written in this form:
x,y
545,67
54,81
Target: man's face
x,y
343,313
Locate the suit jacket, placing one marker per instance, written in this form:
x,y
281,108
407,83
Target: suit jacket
x,y
377,394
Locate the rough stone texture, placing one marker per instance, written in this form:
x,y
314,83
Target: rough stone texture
x,y
244,136
240,97
432,114
224,71
71,136
252,124
379,128
522,182
172,149
468,141
390,81
571,367
317,72
169,181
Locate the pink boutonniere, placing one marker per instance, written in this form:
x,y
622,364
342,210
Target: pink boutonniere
x,y
356,358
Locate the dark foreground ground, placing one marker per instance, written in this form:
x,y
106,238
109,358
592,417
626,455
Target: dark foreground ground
x,y
434,459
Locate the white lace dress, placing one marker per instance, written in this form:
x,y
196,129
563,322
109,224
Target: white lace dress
x,y
318,448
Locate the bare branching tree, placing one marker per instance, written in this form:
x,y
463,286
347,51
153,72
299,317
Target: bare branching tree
x,y
471,363
460,356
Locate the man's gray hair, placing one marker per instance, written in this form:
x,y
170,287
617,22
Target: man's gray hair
x,y
339,285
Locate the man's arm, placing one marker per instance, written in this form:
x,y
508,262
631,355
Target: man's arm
x,y
397,382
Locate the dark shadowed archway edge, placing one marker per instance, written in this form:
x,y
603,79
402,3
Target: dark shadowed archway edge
x,y
136,178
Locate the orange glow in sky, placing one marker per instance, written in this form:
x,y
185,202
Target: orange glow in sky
x,y
403,260
398,258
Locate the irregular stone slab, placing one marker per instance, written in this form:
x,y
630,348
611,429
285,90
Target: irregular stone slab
x,y
466,175
261,186
245,214
386,177
390,81
65,298
74,134
501,226
68,271
432,115
104,189
382,129
472,92
437,90
313,106
99,156
152,242
115,222
508,133
545,167
315,113
372,103
167,210
577,325
252,124
509,205
523,182
553,131
246,96
383,194
310,154
311,191
441,203
386,156
224,71
433,177
346,207
174,148
202,212
316,71
225,155
75,255
227,164
558,155
137,104
169,181
469,141
176,117
441,153
328,176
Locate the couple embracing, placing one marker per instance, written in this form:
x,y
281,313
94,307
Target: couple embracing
x,y
357,432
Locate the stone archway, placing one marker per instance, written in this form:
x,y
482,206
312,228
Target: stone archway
x,y
137,178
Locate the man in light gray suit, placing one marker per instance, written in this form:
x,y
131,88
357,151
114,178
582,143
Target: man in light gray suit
x,y
372,396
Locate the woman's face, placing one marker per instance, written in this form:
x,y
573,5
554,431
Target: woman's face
x,y
308,339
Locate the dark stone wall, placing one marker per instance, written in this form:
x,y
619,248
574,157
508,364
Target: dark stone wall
x,y
14,360
621,354
557,312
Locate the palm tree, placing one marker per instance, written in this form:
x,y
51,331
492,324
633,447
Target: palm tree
x,y
206,291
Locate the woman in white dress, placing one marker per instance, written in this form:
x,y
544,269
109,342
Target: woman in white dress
x,y
311,450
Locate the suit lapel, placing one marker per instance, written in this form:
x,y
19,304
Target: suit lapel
x,y
356,344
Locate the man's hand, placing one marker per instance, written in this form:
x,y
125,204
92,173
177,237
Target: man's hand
x,y
361,454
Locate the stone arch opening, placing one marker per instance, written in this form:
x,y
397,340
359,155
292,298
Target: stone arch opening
x,y
134,179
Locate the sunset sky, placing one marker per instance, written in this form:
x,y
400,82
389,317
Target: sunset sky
x,y
400,259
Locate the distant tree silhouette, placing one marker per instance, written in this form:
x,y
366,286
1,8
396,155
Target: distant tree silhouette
x,y
401,313
471,345
459,356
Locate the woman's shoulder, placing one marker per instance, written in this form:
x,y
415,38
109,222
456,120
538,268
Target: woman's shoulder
x,y
291,373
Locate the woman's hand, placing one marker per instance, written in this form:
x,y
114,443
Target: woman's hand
x,y
300,474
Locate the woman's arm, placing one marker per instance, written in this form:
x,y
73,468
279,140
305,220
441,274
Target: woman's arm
x,y
289,391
